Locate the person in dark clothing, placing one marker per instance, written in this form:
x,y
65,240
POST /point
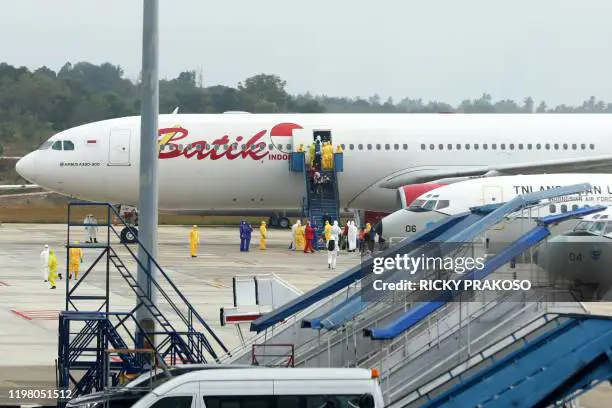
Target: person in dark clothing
x,y
326,217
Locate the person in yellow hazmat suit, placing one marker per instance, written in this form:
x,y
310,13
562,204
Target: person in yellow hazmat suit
x,y
52,268
76,259
263,231
311,154
194,241
300,238
327,231
339,149
301,148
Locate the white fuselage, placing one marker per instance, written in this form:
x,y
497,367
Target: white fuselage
x,y
381,153
460,197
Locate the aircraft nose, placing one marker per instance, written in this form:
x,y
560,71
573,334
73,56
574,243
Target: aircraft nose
x,y
26,167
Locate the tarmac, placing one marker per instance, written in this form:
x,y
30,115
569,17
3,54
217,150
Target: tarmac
x,y
29,308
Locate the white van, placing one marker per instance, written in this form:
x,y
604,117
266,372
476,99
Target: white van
x,y
269,388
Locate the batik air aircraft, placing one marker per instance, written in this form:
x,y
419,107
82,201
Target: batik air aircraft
x,y
238,162
456,198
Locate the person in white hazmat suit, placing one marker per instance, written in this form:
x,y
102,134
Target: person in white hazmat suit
x,y
90,229
333,248
44,262
352,237
294,228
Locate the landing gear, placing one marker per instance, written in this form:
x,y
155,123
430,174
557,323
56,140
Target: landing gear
x,y
129,235
279,222
283,223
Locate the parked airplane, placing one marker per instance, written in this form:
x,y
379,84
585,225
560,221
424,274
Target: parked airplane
x,y
459,197
582,256
237,162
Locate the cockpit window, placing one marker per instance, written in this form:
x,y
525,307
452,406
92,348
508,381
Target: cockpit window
x,y
442,204
57,145
68,145
416,204
430,205
596,228
608,230
583,225
45,145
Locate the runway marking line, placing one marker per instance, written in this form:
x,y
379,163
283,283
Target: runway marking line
x,y
37,314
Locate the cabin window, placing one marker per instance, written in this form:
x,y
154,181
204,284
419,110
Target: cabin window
x,y
369,146
511,146
476,146
563,208
592,146
377,146
387,146
458,146
351,146
440,146
431,147
583,146
574,207
564,146
574,146
502,146
467,146
529,146
422,146
396,146
449,146
520,146
57,145
343,146
552,208
68,145
405,146
556,146
494,146
360,146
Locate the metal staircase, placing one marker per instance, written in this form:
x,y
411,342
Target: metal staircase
x,y
548,361
328,201
90,333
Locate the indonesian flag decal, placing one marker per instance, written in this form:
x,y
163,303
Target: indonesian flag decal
x,y
281,135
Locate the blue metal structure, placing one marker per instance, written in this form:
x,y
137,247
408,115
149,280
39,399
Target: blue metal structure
x,y
316,205
182,335
548,367
473,224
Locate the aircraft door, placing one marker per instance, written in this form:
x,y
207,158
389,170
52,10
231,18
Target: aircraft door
x,y
119,147
492,195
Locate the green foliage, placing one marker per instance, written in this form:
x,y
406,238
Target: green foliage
x,y
36,104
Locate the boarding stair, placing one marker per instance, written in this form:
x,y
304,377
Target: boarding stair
x,y
91,332
317,203
549,361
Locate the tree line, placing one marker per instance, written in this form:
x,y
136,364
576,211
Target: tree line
x,y
34,104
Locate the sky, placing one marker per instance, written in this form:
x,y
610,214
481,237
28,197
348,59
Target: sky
x,y
559,51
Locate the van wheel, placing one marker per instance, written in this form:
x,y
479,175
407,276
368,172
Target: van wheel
x,y
283,223
129,235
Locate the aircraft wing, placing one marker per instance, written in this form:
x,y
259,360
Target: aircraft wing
x,y
18,186
600,164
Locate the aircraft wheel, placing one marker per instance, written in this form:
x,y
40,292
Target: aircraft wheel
x,y
273,222
283,223
129,235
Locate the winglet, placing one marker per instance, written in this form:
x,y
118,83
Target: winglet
x,y
175,111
